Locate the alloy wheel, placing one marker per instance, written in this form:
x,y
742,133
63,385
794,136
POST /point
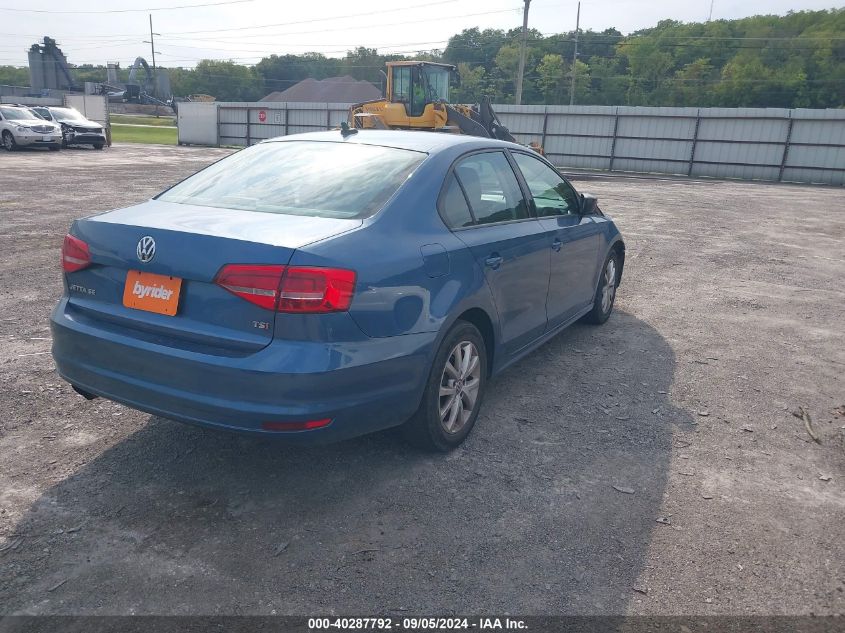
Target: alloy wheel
x,y
459,385
608,291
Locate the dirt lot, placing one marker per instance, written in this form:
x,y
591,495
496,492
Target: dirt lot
x,y
731,316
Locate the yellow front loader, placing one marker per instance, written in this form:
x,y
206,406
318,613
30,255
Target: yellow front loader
x,y
417,98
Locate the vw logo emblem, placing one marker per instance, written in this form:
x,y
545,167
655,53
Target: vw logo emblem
x,y
146,249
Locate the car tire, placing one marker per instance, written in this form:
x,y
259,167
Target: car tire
x,y
605,291
442,423
9,141
98,146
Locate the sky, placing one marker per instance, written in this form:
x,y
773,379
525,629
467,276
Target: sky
x,y
96,32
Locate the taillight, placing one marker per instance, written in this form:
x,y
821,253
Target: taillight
x,y
299,289
256,284
75,254
306,289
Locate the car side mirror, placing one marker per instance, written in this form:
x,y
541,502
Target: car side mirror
x,y
589,204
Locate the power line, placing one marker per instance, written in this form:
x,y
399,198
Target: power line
x,y
172,8
265,52
587,36
454,46
326,19
246,28
346,27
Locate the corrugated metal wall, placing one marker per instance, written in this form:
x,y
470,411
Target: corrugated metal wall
x,y
92,107
248,123
745,143
197,123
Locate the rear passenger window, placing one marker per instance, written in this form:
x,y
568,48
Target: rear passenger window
x,y
491,188
453,206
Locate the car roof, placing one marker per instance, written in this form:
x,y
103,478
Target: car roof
x,y
429,142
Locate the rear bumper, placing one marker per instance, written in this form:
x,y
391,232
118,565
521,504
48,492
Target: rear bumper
x,y
363,386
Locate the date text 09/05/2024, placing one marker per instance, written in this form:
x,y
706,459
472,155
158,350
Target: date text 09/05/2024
x,y
416,624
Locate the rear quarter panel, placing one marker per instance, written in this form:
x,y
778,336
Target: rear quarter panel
x,y
611,236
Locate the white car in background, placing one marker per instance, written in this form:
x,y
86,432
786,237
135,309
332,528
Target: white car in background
x,y
76,129
20,127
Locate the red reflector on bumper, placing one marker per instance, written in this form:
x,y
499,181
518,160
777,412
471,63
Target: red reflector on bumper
x,y
296,426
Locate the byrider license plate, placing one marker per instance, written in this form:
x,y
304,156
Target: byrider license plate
x,y
150,292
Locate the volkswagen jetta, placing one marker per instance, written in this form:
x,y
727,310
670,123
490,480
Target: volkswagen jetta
x,y
323,286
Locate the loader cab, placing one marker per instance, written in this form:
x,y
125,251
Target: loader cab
x,y
415,84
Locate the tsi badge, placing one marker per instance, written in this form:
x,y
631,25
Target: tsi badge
x,y
146,249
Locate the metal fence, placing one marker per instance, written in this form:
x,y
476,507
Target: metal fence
x,y
243,124
92,107
747,143
770,144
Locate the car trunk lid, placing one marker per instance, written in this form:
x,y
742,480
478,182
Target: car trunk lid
x,y
160,247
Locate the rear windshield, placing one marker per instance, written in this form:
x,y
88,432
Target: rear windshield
x,y
311,178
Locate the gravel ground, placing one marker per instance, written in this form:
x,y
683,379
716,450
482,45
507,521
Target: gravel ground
x,y
652,465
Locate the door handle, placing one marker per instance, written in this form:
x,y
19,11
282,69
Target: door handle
x,y
494,261
556,244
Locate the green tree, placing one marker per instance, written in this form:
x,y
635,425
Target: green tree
x,y
582,83
227,81
649,68
472,84
550,77
365,63
608,84
796,60
692,85
280,72
507,68
474,46
14,76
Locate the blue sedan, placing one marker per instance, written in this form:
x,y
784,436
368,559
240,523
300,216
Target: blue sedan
x,y
322,286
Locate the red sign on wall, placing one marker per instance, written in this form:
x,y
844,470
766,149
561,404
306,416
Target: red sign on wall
x,y
262,115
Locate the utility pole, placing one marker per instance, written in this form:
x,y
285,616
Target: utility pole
x,y
152,44
153,49
710,17
575,57
521,70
